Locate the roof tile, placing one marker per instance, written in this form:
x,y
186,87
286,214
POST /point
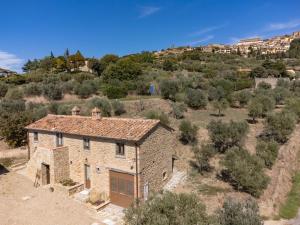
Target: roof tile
x,y
106,127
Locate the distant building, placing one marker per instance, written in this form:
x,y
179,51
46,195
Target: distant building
x,y
6,73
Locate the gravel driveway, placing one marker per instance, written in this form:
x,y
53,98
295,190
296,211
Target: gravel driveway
x,y
22,204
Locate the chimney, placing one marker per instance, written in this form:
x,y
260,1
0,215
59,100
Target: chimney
x,y
96,114
76,111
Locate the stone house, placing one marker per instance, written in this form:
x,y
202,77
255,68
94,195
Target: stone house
x,y
123,159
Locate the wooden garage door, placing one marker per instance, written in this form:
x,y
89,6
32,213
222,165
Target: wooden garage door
x,y
121,188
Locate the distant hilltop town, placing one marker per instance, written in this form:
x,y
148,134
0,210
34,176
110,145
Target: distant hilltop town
x,y
274,45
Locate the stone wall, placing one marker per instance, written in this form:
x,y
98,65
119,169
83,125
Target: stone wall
x,y
155,159
269,80
61,164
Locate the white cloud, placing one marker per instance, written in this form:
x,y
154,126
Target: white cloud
x,y
283,25
208,30
10,61
205,39
148,10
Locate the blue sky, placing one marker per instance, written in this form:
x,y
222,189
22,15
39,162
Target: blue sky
x,y
32,28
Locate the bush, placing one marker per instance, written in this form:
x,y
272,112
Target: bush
x,y
102,104
118,107
195,98
188,131
168,208
293,105
154,115
12,127
113,91
216,93
68,182
33,89
280,125
169,89
264,85
227,135
81,77
123,69
14,94
267,151
220,105
259,72
52,91
3,89
267,103
178,110
244,172
280,95
243,98
239,213
202,157
86,89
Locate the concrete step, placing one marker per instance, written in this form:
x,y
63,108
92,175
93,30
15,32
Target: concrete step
x,y
82,196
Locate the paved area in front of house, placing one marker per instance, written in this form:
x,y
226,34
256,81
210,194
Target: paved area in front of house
x,y
22,204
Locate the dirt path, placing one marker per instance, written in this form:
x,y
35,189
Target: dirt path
x,y
281,176
22,204
251,139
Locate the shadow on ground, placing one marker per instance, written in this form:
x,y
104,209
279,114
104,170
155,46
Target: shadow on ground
x,y
3,170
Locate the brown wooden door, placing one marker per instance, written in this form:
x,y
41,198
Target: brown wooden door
x,y
87,175
121,188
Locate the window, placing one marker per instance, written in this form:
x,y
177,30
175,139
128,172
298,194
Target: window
x,y
35,136
59,139
86,143
120,151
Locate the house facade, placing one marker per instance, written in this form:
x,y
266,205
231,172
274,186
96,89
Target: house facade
x,y
123,159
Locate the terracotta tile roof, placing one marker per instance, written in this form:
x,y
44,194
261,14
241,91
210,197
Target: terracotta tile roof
x,y
106,127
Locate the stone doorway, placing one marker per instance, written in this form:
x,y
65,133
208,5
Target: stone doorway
x,y
45,174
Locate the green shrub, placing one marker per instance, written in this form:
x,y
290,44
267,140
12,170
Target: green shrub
x,y
68,182
113,91
267,151
243,98
168,89
82,76
102,104
86,89
293,105
123,69
118,107
227,135
168,208
195,98
33,89
178,110
234,212
280,95
52,91
16,93
220,105
3,89
12,127
158,116
280,125
188,132
244,172
202,156
264,85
